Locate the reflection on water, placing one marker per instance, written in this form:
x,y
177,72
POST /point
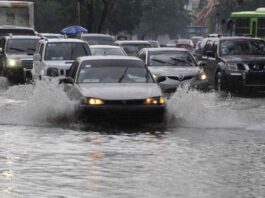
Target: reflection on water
x,y
214,148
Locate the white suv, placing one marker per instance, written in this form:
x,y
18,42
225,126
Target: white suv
x,y
53,57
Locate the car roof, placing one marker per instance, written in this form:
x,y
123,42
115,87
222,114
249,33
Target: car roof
x,y
94,34
105,46
129,58
165,49
21,37
62,40
132,42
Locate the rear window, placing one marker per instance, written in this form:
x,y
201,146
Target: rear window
x,y
17,32
100,40
66,51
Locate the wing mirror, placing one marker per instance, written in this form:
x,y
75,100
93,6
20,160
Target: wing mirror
x,y
160,79
1,50
36,57
67,80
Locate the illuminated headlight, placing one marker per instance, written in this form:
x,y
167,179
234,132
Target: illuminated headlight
x,y
92,101
203,76
12,63
231,66
155,101
53,72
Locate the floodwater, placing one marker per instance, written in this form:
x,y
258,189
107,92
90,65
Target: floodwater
x,y
215,147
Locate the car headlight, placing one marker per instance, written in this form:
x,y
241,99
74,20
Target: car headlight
x,y
231,66
12,63
53,72
92,101
155,101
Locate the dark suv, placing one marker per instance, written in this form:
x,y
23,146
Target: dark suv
x,y
232,64
16,57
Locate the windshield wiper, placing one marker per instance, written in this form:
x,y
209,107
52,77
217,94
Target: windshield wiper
x,y
162,61
181,60
17,49
32,49
123,75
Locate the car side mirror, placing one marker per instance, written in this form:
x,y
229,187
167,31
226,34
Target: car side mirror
x,y
1,50
37,57
210,54
202,64
160,79
67,80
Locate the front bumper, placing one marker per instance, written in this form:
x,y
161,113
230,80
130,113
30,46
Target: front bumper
x,y
124,113
244,80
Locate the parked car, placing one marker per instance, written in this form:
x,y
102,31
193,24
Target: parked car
x,y
185,43
105,50
54,57
51,35
233,64
16,57
132,47
176,64
115,88
97,39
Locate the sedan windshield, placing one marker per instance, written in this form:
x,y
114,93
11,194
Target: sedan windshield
x,y
113,74
65,51
174,58
133,49
242,47
21,46
107,51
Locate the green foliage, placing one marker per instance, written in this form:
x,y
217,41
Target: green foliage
x,y
114,16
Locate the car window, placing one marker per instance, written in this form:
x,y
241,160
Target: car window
x,y
41,50
242,47
21,46
207,47
107,51
214,47
65,51
73,70
172,58
98,40
142,56
133,49
113,74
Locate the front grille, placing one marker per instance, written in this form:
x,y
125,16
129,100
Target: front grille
x,y
180,78
27,64
124,102
259,67
255,78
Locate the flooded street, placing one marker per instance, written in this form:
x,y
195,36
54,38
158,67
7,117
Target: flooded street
x,y
213,148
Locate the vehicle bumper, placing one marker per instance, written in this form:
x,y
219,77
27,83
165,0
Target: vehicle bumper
x,y
170,86
19,74
132,113
244,80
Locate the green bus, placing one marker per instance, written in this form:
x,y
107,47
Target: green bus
x,y
248,23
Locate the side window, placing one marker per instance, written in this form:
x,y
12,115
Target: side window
x,y
214,47
142,56
41,50
73,70
207,47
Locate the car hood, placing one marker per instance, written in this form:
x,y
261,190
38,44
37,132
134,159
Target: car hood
x,y
244,58
120,91
174,71
20,56
62,64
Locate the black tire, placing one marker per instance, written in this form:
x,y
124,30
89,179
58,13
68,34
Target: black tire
x,y
219,85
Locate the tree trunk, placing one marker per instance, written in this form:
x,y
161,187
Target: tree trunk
x,y
90,15
103,15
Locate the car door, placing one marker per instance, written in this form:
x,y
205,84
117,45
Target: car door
x,y
212,62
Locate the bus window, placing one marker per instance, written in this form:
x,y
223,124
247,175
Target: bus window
x,y
261,27
242,26
254,28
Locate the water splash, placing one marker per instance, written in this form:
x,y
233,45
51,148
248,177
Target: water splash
x,y
203,110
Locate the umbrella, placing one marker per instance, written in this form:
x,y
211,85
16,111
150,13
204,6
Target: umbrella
x,y
73,30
